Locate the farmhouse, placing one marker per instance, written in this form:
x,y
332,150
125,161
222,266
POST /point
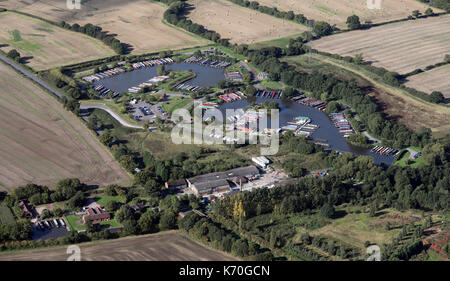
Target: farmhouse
x,y
96,215
220,181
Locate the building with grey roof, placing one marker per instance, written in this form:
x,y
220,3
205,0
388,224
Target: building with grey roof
x,y
220,181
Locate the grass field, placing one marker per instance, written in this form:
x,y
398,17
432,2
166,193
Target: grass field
x,y
136,22
103,199
337,11
239,24
46,46
437,79
175,103
164,246
400,47
397,103
43,143
6,215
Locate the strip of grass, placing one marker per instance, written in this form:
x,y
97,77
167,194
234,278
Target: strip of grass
x,y
6,216
271,84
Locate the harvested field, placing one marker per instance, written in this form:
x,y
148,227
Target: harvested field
x,y
165,246
437,79
396,103
400,47
239,24
45,46
43,143
337,11
135,22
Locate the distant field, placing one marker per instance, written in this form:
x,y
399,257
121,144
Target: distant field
x,y
400,47
43,143
136,22
165,246
437,79
337,11
46,45
239,24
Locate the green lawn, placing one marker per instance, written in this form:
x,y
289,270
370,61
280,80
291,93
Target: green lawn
x,y
103,199
73,221
176,103
6,215
271,84
403,162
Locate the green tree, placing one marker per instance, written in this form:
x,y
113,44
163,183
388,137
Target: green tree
x,y
353,22
327,210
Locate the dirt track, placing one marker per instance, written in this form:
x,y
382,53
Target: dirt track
x,y
166,246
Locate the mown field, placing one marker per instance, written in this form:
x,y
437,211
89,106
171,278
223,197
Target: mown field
x,y
135,22
437,79
398,104
400,47
44,45
165,246
43,143
239,24
337,11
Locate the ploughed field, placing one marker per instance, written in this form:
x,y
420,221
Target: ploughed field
x,y
42,143
165,246
239,24
138,23
44,45
337,11
437,79
400,47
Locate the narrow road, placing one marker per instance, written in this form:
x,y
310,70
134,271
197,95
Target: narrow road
x,y
370,137
31,76
112,113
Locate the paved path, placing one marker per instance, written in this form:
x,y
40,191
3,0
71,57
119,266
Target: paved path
x,y
370,137
31,76
112,113
412,153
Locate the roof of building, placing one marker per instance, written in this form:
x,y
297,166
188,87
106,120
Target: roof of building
x,y
203,186
243,171
96,214
176,182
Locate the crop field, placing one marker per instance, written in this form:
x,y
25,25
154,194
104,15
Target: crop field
x,y
400,47
44,45
437,79
337,11
165,246
138,23
239,24
396,103
43,143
